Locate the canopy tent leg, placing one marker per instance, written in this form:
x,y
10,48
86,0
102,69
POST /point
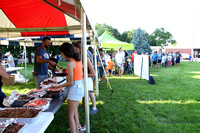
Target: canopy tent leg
x,y
84,40
25,60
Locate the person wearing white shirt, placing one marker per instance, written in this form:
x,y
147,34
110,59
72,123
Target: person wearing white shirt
x,y
119,59
10,60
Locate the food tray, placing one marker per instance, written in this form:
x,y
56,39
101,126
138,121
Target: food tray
x,y
20,103
18,123
25,120
56,92
34,91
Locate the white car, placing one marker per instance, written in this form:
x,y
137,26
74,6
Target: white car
x,y
185,55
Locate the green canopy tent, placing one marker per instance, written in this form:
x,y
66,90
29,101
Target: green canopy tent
x,y
109,42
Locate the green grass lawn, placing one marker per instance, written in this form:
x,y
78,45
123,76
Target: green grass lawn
x,y
172,105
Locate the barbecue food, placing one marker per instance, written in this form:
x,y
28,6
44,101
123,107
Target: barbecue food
x,y
45,83
13,128
19,113
23,98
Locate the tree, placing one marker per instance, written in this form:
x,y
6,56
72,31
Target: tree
x,y
101,28
140,42
152,40
127,36
30,50
161,37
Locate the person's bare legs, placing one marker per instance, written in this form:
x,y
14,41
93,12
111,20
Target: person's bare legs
x,y
118,71
72,115
122,71
93,99
83,101
76,117
103,77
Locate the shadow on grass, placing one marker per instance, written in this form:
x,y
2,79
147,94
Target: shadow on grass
x,y
19,87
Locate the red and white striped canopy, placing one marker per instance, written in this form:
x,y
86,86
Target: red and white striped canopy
x,y
25,18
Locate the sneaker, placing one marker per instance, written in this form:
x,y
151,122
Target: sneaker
x,y
94,111
79,129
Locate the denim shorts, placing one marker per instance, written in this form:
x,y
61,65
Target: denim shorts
x,y
76,91
90,84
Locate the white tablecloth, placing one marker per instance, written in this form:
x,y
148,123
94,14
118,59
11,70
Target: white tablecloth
x,y
14,69
41,124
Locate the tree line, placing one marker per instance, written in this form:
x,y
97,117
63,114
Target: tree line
x,y
140,38
160,37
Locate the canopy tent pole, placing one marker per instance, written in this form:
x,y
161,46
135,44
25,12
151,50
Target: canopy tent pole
x,y
25,59
83,23
96,72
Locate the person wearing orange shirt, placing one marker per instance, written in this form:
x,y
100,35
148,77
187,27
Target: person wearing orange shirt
x,y
110,66
76,89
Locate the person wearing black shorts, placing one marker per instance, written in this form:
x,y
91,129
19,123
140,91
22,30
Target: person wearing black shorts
x,y
155,58
178,58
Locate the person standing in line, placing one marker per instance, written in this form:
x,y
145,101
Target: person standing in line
x,y
169,60
91,74
163,60
132,60
107,58
129,64
196,58
178,58
42,62
119,59
110,67
125,61
166,54
190,58
159,59
102,72
155,59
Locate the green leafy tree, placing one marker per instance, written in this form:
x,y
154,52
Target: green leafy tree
x,y
152,40
140,42
101,28
127,36
29,51
14,50
161,37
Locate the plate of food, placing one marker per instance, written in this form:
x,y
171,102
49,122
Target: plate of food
x,y
40,103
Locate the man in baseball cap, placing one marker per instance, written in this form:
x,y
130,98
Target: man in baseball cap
x,y
10,60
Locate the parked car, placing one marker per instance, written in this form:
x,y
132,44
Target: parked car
x,y
185,56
